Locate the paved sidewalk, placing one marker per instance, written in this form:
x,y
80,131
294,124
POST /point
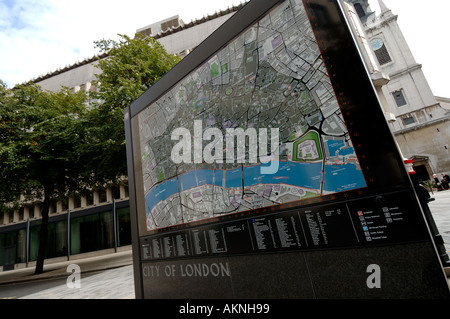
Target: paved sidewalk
x,y
109,284
440,209
107,276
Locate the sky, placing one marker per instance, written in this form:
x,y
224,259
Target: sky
x,y
40,36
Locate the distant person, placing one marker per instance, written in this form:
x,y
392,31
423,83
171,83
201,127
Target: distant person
x,y
445,181
438,183
446,177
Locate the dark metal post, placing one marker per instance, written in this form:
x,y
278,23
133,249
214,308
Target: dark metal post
x,y
115,224
68,234
28,242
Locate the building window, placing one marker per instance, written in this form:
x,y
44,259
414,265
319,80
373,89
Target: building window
x,y
21,213
399,98
115,190
92,232
380,50
146,32
127,194
383,55
123,227
53,208
169,25
89,199
102,195
76,201
31,211
408,120
359,10
56,240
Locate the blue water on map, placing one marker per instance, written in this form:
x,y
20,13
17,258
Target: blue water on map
x,y
337,178
341,178
161,192
335,146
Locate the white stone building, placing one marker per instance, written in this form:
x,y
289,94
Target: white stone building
x,y
419,120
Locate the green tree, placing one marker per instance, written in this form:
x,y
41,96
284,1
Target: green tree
x,y
131,66
40,137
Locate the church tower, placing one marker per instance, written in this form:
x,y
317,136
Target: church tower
x,y
418,121
362,8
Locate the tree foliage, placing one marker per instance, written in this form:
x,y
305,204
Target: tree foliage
x,y
132,66
40,133
40,159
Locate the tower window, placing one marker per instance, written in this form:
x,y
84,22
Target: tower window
x,y
383,55
408,120
381,51
399,98
359,10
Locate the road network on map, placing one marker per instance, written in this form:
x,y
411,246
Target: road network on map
x,y
272,75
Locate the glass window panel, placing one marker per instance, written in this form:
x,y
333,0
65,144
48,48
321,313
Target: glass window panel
x,y
399,98
383,55
90,233
123,227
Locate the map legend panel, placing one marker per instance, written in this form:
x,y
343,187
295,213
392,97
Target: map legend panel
x,y
330,226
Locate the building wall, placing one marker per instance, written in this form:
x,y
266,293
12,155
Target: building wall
x,y
444,102
418,124
188,39
77,76
432,141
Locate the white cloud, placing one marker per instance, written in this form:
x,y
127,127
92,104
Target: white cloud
x,y
40,36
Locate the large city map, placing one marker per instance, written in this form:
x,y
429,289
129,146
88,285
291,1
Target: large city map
x,y
270,77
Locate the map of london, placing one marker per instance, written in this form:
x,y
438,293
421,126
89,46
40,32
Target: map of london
x,y
270,76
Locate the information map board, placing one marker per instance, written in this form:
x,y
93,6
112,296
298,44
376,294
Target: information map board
x,y
261,166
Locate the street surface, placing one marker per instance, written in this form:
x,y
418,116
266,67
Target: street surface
x,y
110,284
440,208
101,277
118,283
